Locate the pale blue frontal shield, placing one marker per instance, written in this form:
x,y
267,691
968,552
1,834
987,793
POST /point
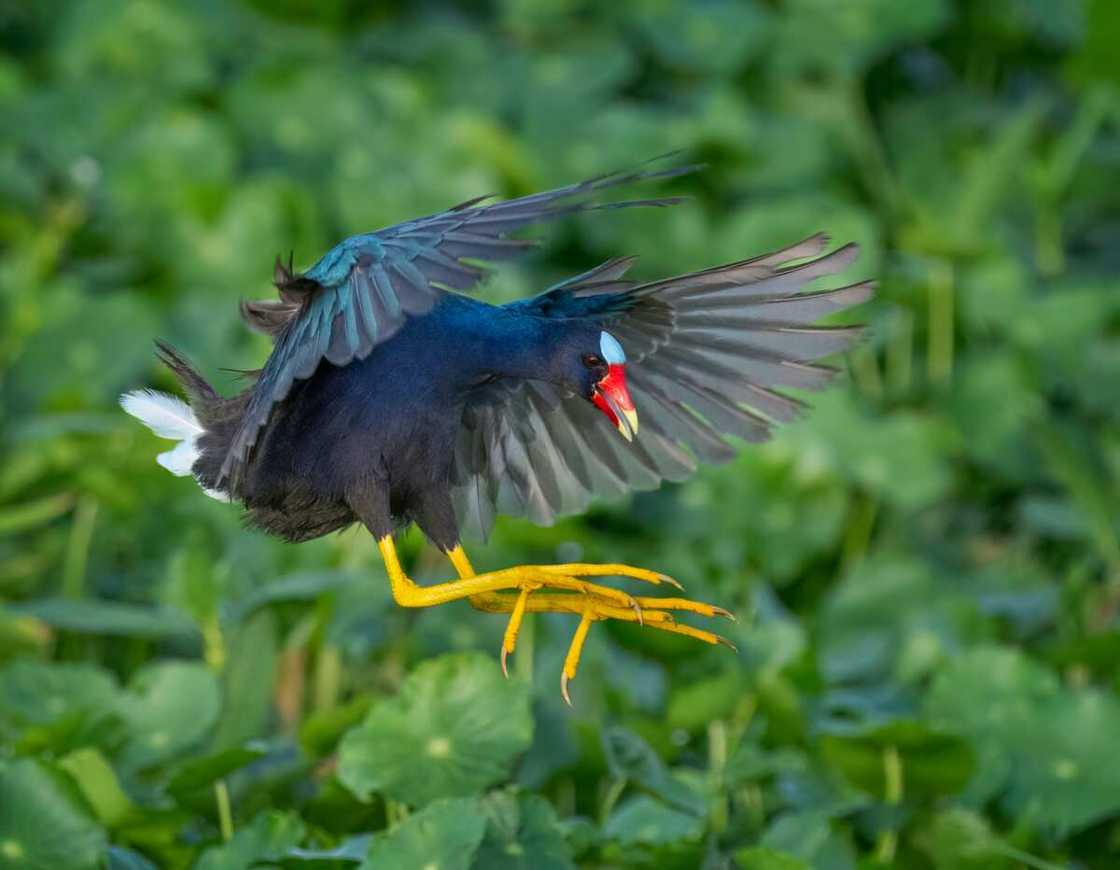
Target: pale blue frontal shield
x,y
611,350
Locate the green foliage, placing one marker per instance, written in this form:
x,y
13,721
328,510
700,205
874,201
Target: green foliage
x,y
455,727
446,835
42,822
926,567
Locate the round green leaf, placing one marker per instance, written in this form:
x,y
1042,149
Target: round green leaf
x,y
171,706
40,693
523,834
443,836
1049,749
646,820
62,706
454,729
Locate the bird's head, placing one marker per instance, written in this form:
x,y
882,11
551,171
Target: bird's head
x,y
604,383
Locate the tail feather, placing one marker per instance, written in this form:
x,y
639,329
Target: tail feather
x,y
171,417
167,417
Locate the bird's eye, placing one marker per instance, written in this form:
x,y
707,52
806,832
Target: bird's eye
x,y
592,360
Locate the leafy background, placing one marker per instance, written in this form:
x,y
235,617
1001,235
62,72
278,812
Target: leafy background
x,y
926,569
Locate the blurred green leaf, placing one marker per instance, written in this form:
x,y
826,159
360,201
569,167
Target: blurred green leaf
x,y
902,459
268,838
20,517
42,822
125,859
98,783
715,37
322,729
248,680
958,838
931,762
522,833
353,850
1044,748
809,837
86,616
445,834
58,705
631,759
643,819
817,34
765,858
893,617
305,586
196,773
169,708
454,728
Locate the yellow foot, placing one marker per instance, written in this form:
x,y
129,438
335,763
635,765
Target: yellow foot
x,y
516,591
650,612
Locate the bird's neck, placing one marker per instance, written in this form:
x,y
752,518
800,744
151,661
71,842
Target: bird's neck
x,y
490,341
522,346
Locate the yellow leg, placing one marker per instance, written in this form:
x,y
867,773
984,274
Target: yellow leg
x,y
407,594
493,592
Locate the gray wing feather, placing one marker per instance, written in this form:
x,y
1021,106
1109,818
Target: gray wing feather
x,y
706,352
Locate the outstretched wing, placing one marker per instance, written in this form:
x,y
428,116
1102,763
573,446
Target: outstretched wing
x,y
361,291
706,352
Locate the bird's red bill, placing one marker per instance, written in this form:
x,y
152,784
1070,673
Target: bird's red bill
x,y
613,399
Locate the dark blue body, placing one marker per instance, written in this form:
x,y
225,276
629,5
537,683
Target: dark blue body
x,y
381,431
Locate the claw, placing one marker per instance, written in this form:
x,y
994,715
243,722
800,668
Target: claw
x,y
513,627
564,593
665,578
723,640
571,661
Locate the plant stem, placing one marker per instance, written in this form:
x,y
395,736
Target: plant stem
x,y
717,764
328,677
900,351
858,536
892,775
941,304
865,370
614,792
77,548
1025,857
225,816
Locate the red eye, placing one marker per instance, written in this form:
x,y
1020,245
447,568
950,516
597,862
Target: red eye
x,y
592,361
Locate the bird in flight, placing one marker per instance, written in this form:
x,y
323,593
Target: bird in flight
x,y
392,397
